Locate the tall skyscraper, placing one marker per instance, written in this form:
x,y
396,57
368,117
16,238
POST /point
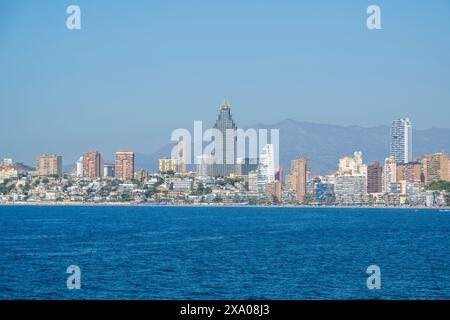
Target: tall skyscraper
x,y
49,164
92,162
124,168
225,151
301,165
266,167
374,177
296,179
401,140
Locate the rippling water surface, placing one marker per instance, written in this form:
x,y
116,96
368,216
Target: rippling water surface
x,y
223,253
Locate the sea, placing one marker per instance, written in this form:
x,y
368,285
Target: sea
x,y
170,252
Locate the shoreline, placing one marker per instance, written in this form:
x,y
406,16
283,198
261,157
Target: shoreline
x,y
200,205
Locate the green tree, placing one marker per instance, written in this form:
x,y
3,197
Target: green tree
x,y
439,185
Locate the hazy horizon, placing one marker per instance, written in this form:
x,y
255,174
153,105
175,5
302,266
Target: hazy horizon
x,y
109,156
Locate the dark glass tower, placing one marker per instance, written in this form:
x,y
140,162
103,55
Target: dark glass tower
x,y
225,125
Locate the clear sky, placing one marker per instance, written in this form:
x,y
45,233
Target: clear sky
x,y
139,69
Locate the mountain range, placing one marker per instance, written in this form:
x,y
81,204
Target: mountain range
x,y
324,144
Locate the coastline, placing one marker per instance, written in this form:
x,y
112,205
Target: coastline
x,y
200,205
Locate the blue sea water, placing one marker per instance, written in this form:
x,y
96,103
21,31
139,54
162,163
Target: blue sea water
x,y
223,253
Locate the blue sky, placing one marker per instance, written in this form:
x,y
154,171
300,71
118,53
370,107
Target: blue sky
x,y
139,69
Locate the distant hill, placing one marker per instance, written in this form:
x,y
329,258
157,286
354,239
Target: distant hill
x,y
324,144
23,167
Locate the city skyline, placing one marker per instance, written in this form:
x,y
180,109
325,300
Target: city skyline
x,y
72,163
224,158
169,69
235,179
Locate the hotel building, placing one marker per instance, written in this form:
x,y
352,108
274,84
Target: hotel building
x,y
49,164
92,161
124,168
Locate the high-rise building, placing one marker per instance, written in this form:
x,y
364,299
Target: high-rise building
x,y
124,168
401,140
291,183
374,177
301,180
79,167
225,149
168,165
350,190
266,167
448,169
49,164
296,179
389,173
437,167
92,162
408,172
109,170
274,188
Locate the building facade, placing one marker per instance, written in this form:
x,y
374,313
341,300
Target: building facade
x,y
350,190
266,167
168,165
225,147
374,177
124,167
437,167
108,170
389,172
296,179
352,165
401,140
409,172
8,170
92,162
79,167
49,164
